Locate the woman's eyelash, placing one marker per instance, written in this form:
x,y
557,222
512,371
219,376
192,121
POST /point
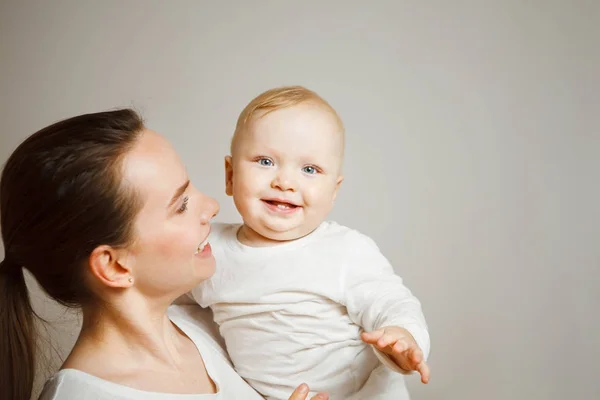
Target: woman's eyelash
x,y
184,205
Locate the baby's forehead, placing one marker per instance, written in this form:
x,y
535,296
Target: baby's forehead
x,y
295,141
309,121
303,126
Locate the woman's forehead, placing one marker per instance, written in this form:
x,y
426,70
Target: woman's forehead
x,y
153,166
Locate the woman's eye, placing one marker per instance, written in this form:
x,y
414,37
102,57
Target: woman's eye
x,y
184,205
309,170
265,162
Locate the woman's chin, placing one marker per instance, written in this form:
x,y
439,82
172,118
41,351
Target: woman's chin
x,y
205,268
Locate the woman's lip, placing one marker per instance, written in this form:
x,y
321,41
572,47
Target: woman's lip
x,y
207,236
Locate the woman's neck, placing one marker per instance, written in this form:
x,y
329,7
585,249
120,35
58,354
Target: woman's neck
x,y
130,332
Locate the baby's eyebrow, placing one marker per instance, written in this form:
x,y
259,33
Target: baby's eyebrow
x,y
179,192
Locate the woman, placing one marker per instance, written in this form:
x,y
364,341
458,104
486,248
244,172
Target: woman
x,y
100,210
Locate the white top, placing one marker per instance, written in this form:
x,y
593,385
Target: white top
x,y
69,384
294,312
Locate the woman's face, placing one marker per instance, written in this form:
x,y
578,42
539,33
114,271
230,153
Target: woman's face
x,y
170,254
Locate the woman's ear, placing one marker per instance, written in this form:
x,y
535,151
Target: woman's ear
x,y
228,176
107,267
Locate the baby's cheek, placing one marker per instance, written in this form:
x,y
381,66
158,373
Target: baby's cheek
x,y
316,196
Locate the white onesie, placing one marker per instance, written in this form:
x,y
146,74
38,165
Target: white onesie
x,y
294,312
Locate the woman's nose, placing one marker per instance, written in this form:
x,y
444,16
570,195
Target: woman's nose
x,y
211,210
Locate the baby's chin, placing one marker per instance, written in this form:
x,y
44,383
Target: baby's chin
x,y
284,235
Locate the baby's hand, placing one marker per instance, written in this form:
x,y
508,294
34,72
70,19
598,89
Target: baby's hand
x,y
301,393
402,348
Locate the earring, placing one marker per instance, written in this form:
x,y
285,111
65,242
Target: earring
x,y
130,279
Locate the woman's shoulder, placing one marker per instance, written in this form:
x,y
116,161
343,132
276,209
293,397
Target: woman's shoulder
x,y
71,384
68,384
54,386
197,323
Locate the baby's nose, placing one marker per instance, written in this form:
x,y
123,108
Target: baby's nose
x,y
283,181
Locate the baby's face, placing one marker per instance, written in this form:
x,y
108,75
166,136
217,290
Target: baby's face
x,y
285,172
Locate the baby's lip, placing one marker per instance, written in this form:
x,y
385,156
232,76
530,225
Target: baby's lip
x,y
280,200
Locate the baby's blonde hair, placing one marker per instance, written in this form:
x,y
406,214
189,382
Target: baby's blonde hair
x,y
276,99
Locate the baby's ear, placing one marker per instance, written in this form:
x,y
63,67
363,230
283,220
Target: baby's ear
x,y
228,176
337,187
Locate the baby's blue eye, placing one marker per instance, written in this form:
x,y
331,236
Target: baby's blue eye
x,y
265,162
309,170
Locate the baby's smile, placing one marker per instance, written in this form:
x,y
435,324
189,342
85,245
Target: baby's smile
x,y
281,205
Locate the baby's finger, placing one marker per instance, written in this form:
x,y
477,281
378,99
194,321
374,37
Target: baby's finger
x,y
400,346
386,340
416,355
372,337
423,369
320,396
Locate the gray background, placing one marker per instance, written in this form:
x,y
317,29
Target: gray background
x,y
472,158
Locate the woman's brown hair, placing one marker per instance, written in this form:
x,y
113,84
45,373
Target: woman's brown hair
x,y
61,196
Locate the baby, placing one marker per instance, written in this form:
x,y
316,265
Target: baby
x,y
298,298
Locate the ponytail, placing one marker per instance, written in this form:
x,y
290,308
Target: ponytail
x,y
62,194
17,334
